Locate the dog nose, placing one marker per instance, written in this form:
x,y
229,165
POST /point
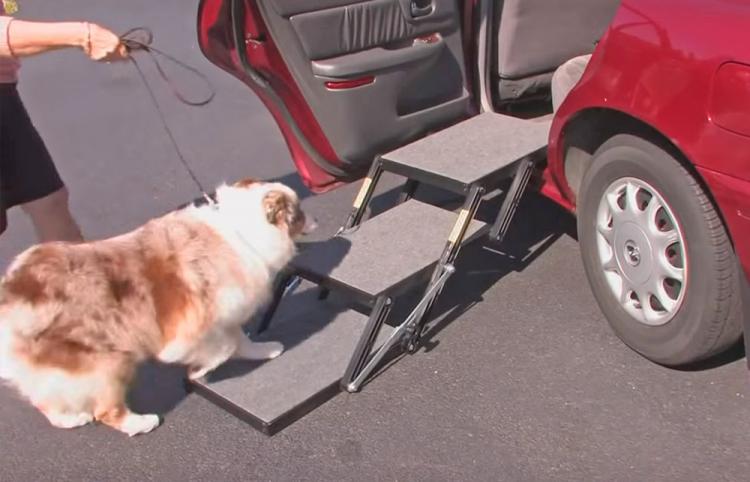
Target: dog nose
x,y
311,224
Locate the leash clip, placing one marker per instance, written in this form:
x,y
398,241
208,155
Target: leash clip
x,y
211,201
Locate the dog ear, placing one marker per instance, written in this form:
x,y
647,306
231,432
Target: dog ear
x,y
246,182
283,211
277,205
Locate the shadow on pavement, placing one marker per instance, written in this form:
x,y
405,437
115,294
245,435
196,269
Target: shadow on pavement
x,y
538,224
734,353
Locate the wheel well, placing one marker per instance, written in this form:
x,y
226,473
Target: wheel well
x,y
591,128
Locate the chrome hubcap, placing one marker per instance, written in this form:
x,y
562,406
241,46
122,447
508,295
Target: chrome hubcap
x,y
632,254
641,249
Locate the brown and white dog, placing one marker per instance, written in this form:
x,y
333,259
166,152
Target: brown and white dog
x,y
76,319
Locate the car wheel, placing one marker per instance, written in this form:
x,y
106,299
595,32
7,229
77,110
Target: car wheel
x,y
656,254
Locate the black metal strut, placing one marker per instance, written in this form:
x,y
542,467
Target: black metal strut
x,y
448,257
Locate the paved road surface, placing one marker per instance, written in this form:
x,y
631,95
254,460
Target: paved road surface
x,y
528,384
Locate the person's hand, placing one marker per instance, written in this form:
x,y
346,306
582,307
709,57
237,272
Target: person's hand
x,y
103,45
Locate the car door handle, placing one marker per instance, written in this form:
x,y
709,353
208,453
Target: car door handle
x,y
378,59
419,11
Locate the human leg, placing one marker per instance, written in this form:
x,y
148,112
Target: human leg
x,y
28,176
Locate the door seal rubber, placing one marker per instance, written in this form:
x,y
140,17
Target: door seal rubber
x,y
237,17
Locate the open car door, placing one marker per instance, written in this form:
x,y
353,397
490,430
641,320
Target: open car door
x,y
345,80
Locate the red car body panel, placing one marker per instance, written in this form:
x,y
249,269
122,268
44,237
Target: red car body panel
x,y
661,62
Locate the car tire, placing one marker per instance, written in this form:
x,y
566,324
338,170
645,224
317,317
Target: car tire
x,y
648,231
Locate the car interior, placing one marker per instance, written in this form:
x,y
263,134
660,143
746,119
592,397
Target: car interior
x,y
379,73
534,37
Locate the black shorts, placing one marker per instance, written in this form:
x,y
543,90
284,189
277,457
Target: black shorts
x,y
27,172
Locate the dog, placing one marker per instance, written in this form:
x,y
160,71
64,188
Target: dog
x,y
77,319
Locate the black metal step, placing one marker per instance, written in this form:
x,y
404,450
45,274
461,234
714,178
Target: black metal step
x,y
319,339
386,254
480,150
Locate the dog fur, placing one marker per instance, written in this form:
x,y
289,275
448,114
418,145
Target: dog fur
x,y
77,319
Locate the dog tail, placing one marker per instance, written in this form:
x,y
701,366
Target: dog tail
x,y
22,315
22,320
6,346
25,307
7,336
18,321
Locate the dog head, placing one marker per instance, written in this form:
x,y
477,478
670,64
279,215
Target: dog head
x,y
280,205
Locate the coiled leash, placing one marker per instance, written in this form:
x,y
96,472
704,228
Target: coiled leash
x,y
139,39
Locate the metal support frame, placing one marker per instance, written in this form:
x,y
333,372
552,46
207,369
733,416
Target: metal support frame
x,y
407,192
285,284
370,333
363,196
512,200
359,368
450,252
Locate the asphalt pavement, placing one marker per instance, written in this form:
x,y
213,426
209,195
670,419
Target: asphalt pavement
x,y
524,381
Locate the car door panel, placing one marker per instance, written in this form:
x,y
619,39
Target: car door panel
x,y
351,28
287,8
365,121
373,73
373,60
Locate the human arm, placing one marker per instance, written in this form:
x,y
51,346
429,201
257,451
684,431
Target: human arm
x,y
19,38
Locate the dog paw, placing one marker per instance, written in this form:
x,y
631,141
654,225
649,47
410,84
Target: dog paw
x,y
69,420
134,424
267,350
197,373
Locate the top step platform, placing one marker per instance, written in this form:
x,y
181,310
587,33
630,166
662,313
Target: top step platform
x,y
481,150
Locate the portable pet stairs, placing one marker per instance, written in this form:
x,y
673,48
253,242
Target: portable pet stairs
x,y
332,345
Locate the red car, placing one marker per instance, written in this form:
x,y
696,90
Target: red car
x,y
649,150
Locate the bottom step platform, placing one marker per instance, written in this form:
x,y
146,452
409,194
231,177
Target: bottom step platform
x,y
319,338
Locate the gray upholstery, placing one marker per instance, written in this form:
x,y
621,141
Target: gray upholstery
x,y
534,37
361,26
287,8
